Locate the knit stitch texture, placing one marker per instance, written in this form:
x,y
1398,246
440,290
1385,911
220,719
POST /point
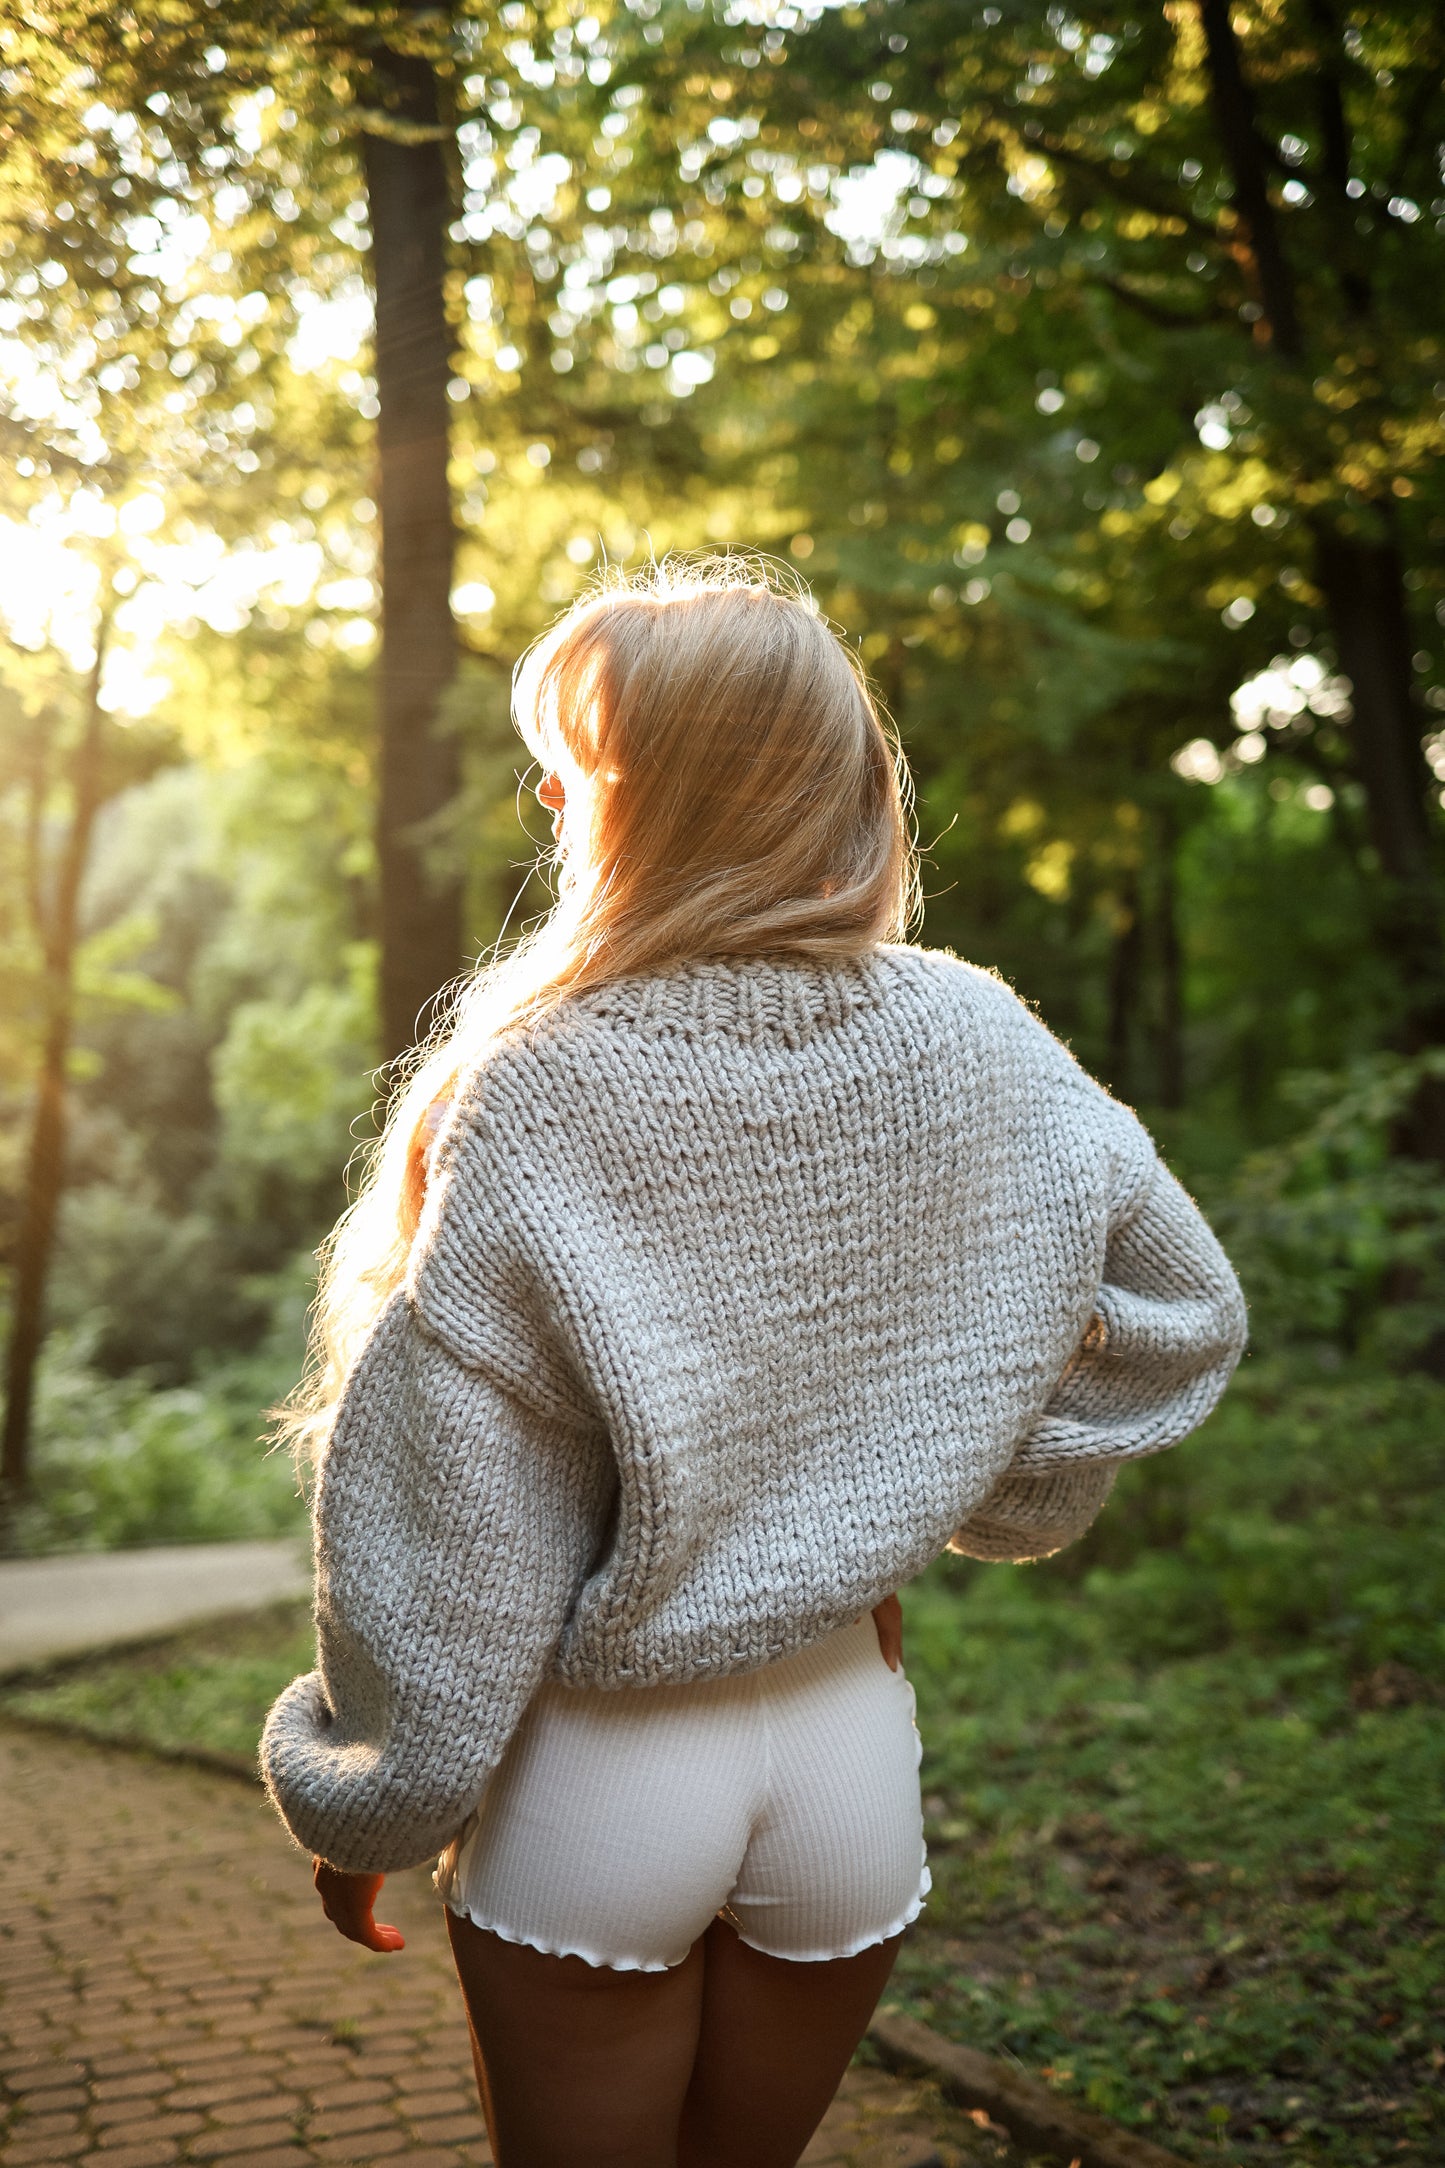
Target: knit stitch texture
x,y
741,1292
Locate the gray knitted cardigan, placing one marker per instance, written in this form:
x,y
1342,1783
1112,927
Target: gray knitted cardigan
x,y
742,1291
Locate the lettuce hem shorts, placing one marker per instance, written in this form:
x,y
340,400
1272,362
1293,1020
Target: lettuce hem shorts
x,y
619,1824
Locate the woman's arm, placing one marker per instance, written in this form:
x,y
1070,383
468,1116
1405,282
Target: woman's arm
x,y
463,1494
455,1520
1168,1330
1032,1516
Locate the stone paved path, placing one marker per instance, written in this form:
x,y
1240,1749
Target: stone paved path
x,y
170,1992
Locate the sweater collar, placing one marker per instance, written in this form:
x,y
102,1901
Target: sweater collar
x,y
752,998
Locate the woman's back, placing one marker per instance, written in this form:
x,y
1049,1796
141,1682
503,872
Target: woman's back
x,y
762,1269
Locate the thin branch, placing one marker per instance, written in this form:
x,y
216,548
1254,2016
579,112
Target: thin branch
x,y
1125,187
1157,312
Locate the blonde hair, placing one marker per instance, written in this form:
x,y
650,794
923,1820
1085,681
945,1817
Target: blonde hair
x,y
746,799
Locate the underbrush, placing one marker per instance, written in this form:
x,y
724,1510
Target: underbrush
x,y
1184,1789
119,1461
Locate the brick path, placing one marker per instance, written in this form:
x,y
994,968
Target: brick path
x,y
170,1992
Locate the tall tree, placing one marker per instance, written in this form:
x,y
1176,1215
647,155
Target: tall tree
x,y
120,123
1359,566
1211,238
418,766
58,851
1000,257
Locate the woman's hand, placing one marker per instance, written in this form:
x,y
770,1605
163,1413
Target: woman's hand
x,y
888,1618
347,1900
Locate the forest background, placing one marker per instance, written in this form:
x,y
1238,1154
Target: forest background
x,y
1087,362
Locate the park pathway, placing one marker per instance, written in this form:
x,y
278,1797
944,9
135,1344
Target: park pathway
x,y
57,1607
170,1992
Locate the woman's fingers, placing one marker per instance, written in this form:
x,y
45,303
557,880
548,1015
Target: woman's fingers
x,y
347,1899
378,1936
349,1911
888,1618
372,1934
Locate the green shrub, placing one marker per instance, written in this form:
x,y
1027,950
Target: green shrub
x,y
1337,1236
149,1291
118,1461
1303,1511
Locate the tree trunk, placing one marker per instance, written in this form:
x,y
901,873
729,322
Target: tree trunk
x,y
1249,175
57,924
1362,580
1124,961
419,768
1171,969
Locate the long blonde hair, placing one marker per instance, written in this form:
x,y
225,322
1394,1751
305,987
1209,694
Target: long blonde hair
x,y
746,799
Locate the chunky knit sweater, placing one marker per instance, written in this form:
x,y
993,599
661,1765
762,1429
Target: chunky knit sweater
x,y
741,1292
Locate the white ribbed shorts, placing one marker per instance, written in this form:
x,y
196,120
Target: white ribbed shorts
x,y
620,1823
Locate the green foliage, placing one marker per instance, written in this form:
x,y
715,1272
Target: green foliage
x,y
1294,1519
1338,1235
1273,988
286,1080
214,1118
958,311
147,1289
120,1462
1182,1813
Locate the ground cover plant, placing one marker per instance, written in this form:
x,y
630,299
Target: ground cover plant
x,y
1184,1808
121,1462
205,1691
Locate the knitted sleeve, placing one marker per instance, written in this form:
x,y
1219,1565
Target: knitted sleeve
x,y
1167,1331
461,1500
1032,1516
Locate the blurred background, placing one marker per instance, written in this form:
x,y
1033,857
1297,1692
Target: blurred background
x,y
1088,365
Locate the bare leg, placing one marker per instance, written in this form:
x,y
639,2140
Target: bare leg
x,y
728,2061
484,2090
577,2064
776,2037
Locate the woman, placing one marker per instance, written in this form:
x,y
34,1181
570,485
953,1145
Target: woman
x,y
725,1262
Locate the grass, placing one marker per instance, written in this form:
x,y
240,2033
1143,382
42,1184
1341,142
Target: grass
x,y
1201,1894
1183,1785
204,1691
